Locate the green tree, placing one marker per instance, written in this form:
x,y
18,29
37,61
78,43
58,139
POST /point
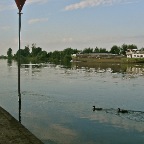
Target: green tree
x,y
115,50
42,56
9,53
87,50
35,50
67,59
27,51
132,46
96,50
54,56
124,48
103,50
69,51
63,56
142,49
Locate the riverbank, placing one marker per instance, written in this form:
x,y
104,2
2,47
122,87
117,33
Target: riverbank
x,y
109,60
12,132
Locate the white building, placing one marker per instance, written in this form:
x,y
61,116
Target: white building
x,y
134,53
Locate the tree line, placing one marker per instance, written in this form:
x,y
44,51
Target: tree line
x,y
37,54
119,50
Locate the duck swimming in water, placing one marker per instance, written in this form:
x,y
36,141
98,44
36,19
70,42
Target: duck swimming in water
x,y
98,109
122,111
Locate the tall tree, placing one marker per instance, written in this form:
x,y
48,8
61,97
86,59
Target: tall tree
x,y
35,50
103,50
42,56
132,46
96,50
9,53
124,48
27,51
88,50
115,50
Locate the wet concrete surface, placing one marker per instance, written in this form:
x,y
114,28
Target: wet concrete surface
x,y
12,132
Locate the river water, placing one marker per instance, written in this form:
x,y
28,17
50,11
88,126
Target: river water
x,y
57,102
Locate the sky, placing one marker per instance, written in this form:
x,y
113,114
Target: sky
x,y
59,24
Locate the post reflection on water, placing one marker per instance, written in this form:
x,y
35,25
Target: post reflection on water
x,y
9,63
19,109
57,102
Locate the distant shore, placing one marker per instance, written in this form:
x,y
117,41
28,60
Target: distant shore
x,y
108,60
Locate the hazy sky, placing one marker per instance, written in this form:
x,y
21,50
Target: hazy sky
x,y
59,24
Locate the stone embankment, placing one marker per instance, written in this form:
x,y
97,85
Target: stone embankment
x,y
12,132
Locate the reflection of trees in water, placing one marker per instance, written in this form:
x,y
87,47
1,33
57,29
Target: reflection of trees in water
x,y
128,70
9,62
137,69
115,67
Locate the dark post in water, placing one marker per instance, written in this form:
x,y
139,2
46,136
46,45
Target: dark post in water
x,y
19,63
20,4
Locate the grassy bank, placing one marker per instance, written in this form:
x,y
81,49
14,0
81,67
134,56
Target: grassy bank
x,y
110,60
132,60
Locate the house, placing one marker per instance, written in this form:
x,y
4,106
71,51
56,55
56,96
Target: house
x,y
134,53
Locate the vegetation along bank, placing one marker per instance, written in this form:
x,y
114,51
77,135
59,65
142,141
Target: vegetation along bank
x,y
116,54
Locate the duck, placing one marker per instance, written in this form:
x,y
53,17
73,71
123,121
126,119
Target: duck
x,y
98,109
122,111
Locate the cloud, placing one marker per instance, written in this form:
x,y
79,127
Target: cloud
x,y
37,20
92,3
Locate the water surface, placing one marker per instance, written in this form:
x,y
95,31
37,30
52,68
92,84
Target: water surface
x,y
57,102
